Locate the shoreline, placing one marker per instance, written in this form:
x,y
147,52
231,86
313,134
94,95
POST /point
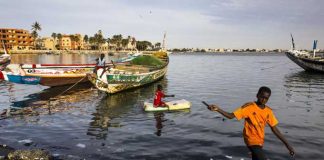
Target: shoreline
x,y
58,52
64,52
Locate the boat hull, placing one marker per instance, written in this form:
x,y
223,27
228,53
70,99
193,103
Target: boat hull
x,y
10,77
125,82
61,81
23,79
54,75
125,77
308,64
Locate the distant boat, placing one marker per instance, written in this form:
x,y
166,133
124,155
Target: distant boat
x,y
127,76
307,61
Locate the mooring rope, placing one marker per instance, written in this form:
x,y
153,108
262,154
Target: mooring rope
x,y
49,101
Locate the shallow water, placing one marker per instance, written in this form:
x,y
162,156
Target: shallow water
x,y
87,124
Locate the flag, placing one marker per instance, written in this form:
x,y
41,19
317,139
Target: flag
x,y
315,44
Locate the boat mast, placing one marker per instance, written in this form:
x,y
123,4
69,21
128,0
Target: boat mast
x,y
163,43
314,47
293,43
4,48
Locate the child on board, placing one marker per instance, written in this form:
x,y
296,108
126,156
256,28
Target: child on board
x,y
159,94
257,115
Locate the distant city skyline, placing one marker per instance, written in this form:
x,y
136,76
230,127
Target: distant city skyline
x,y
235,24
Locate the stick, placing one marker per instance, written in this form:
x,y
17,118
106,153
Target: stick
x,y
205,103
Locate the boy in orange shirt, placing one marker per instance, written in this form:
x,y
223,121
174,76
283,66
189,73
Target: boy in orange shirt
x,y
256,115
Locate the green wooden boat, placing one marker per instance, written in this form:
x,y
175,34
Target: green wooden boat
x,y
142,70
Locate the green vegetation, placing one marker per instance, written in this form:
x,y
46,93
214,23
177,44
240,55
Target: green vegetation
x,y
35,27
147,60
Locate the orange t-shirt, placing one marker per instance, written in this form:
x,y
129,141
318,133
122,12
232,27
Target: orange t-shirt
x,y
255,122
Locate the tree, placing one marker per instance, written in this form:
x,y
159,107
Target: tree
x,y
86,38
54,35
59,36
117,39
34,34
124,42
157,45
99,39
143,45
35,27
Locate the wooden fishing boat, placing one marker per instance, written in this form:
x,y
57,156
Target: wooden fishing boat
x,y
135,74
47,74
307,61
58,75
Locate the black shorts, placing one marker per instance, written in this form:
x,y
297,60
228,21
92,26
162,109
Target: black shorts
x,y
257,152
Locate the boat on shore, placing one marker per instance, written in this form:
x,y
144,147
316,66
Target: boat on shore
x,y
309,62
142,70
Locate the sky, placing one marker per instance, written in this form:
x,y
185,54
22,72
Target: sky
x,y
236,24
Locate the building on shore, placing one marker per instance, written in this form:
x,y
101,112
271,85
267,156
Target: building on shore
x,y
65,42
46,43
104,46
70,42
16,39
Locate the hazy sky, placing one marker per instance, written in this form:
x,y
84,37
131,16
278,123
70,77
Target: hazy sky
x,y
188,23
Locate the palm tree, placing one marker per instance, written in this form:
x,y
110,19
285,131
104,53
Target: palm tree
x,y
86,38
35,27
59,36
54,35
34,34
157,45
124,42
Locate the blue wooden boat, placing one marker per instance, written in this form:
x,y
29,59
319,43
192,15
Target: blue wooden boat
x,y
23,79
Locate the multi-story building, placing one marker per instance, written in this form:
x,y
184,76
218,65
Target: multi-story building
x,y
65,42
16,39
47,43
70,42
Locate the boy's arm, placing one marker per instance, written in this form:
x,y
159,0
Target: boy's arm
x,y
216,108
276,131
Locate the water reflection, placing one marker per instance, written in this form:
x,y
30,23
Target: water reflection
x,y
112,107
304,87
48,101
61,58
159,118
53,94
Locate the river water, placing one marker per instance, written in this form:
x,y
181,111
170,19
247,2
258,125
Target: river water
x,y
87,124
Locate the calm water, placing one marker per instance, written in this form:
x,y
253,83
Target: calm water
x,y
87,124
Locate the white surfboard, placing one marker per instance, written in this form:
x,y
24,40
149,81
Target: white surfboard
x,y
172,105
